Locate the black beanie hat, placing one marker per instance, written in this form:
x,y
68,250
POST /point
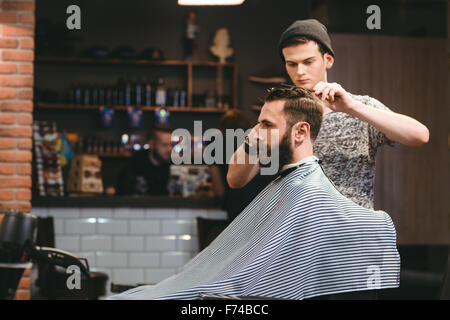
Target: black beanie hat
x,y
310,28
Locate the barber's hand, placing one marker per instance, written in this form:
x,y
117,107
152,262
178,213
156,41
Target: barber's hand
x,y
334,96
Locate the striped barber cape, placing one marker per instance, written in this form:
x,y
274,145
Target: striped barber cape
x,y
299,238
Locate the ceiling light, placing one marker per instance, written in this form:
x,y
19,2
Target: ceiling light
x,y
210,2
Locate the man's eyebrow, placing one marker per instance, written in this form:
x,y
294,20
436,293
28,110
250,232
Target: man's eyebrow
x,y
291,61
265,121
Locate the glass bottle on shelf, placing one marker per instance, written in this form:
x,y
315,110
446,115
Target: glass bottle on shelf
x,y
89,145
147,92
108,145
78,94
115,96
128,92
138,92
109,96
182,98
176,98
95,95
210,101
121,92
115,146
101,96
87,95
161,93
96,148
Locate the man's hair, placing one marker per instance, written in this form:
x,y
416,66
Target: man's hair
x,y
158,128
300,105
293,41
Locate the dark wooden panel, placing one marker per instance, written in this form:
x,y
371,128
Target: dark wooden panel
x,y
410,76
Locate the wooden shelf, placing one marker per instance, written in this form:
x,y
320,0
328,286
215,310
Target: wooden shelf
x,y
124,108
190,65
112,155
74,60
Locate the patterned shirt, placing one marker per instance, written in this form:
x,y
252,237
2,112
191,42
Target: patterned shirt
x,y
347,147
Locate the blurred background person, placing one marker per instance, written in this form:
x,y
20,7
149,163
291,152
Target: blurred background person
x,y
149,170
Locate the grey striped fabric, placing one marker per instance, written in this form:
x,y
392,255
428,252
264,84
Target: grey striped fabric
x,y
299,238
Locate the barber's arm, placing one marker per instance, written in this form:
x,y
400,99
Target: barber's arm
x,y
240,174
397,127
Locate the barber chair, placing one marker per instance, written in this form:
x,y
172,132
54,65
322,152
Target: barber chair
x,y
208,230
52,279
445,289
18,249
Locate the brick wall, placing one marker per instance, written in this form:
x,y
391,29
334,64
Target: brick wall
x,y
16,107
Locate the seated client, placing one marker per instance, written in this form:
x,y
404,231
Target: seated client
x,y
299,238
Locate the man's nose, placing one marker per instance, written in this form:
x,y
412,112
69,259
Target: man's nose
x,y
257,128
300,70
261,134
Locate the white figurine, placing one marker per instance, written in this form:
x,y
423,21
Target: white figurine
x,y
220,47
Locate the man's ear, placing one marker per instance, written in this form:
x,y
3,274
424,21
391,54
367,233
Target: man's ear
x,y
301,131
329,60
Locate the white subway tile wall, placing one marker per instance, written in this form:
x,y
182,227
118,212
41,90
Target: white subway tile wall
x,y
128,243
153,276
145,226
111,259
95,213
80,226
70,243
178,226
132,245
144,259
130,275
112,226
175,258
96,243
161,243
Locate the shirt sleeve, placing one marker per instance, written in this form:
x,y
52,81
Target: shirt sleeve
x,y
376,137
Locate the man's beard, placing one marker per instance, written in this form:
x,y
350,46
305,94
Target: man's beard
x,y
284,151
158,157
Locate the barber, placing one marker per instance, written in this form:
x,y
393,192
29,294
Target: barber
x,y
353,128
